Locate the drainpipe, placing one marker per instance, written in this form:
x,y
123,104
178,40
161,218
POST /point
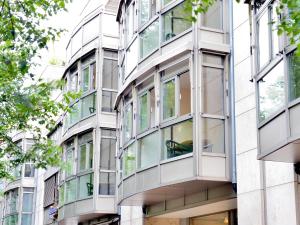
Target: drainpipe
x,y
232,98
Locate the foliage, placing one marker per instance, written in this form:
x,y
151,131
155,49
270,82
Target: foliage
x,y
289,22
25,100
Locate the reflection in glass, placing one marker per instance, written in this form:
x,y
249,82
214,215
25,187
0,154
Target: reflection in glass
x,y
213,18
108,100
27,202
86,185
71,190
263,39
212,88
185,93
177,139
148,148
128,122
175,22
129,160
88,105
107,183
271,92
149,39
107,153
143,112
110,74
169,99
213,135
86,79
294,76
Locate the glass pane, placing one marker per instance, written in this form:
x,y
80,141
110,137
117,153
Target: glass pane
x,y
175,22
85,79
166,1
86,186
26,219
294,76
61,198
128,122
93,73
74,114
213,135
76,42
271,92
149,39
264,39
91,29
82,159
108,132
169,99
152,107
73,82
108,100
91,156
185,93
27,202
275,18
144,11
148,150
143,112
129,160
88,105
29,170
70,162
70,190
107,154
177,139
107,184
110,74
131,58
213,17
212,91
212,59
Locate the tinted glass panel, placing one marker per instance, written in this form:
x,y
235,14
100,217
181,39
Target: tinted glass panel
x,y
213,135
148,148
169,99
149,39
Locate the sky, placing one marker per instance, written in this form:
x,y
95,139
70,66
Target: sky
x,y
65,20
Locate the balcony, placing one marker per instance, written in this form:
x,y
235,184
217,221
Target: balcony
x,y
278,113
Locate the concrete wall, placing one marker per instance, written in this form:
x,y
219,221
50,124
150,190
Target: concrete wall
x,y
267,191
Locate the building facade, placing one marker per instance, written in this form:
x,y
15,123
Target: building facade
x,y
86,186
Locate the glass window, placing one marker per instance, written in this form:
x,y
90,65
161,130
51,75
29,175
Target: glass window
x,y
213,18
149,39
128,122
61,195
169,99
214,219
264,39
213,135
129,160
165,2
108,100
17,172
177,139
175,22
91,29
152,107
110,74
143,112
27,202
76,42
86,186
88,105
130,22
86,79
70,159
29,170
212,88
271,92
131,58
107,183
73,82
294,76
144,11
26,219
74,115
185,93
107,150
71,190
148,148
86,152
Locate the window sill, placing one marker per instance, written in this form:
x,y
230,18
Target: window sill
x,y
148,55
175,120
215,30
165,161
164,43
147,167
